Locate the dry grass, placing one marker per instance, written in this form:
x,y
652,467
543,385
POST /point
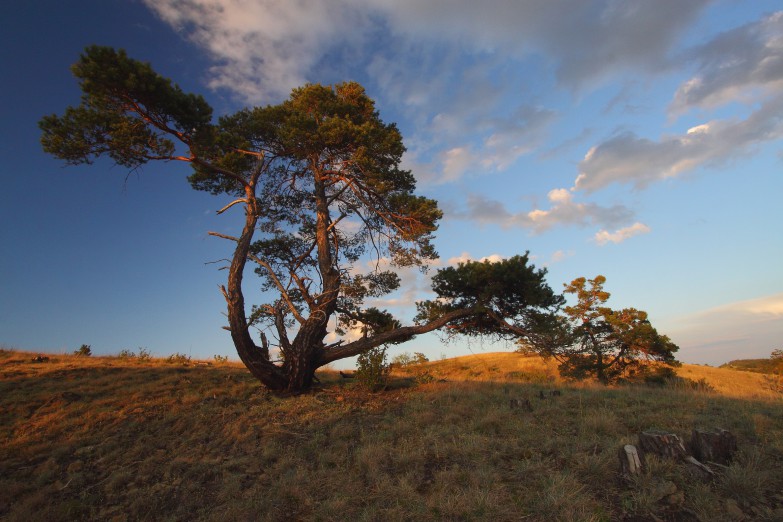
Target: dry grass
x,y
105,439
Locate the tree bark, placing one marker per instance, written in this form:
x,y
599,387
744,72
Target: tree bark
x,y
251,355
714,446
400,334
663,444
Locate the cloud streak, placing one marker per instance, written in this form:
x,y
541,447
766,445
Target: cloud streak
x,y
564,211
736,65
743,329
630,159
603,237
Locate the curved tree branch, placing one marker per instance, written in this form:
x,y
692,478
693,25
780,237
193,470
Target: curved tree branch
x,y
399,334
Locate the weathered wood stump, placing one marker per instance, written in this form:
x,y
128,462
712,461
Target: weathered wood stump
x,y
630,460
670,445
716,446
521,404
663,444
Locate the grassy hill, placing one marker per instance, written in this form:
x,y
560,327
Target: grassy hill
x,y
755,365
109,439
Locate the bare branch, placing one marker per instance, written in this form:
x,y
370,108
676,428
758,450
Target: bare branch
x,y
240,200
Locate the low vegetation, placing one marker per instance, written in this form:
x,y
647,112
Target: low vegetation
x,y
101,438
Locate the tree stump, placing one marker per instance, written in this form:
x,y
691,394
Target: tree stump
x,y
716,446
630,461
671,446
521,404
663,444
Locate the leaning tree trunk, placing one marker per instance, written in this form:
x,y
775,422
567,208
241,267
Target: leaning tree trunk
x,y
254,358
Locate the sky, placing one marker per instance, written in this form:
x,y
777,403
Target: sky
x,y
640,139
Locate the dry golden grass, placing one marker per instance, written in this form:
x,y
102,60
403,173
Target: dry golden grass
x,y
107,439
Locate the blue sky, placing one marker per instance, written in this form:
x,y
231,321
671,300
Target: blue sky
x,y
641,140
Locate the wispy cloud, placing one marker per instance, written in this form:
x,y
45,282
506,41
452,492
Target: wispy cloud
x,y
630,159
453,66
737,65
465,257
564,211
744,329
603,237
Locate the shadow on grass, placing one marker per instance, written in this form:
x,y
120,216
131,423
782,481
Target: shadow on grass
x,y
166,442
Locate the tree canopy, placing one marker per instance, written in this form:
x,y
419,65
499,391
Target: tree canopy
x,y
591,339
319,179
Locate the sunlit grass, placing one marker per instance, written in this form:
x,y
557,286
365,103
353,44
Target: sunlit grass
x,y
101,438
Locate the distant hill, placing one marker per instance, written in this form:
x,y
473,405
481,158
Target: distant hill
x,y
755,365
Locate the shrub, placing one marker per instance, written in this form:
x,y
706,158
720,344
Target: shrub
x,y
126,354
83,351
372,370
403,359
659,376
144,354
419,358
221,358
178,358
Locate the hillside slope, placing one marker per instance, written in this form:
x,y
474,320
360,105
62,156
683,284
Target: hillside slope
x,y
106,439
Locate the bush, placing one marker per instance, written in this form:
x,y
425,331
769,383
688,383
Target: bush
x,y
83,351
220,359
403,359
178,358
372,370
143,355
419,358
406,359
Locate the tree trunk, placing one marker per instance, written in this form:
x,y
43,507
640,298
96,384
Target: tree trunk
x,y
302,359
251,355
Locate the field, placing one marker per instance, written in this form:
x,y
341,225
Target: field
x,y
94,438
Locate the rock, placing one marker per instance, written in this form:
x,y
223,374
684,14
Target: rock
x,y
733,510
664,490
675,500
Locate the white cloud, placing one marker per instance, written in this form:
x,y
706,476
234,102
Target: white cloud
x,y
455,162
563,212
503,140
464,257
603,236
628,158
762,308
457,59
587,40
737,65
561,255
739,330
261,48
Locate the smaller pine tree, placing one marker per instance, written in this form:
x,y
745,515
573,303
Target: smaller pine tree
x,y
83,351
